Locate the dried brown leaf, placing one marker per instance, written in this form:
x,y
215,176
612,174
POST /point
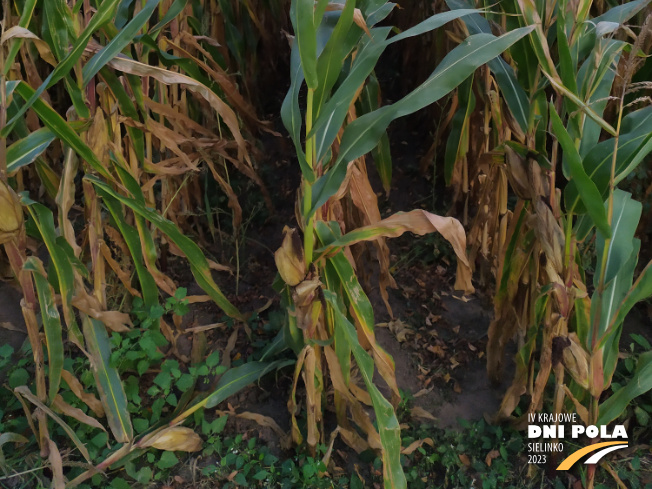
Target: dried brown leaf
x,y
78,389
56,465
419,412
175,439
490,456
411,448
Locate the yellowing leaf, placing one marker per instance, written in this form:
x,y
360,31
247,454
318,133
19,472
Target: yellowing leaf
x,y
176,439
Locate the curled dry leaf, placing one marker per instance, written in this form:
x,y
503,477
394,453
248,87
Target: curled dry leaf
x,y
78,389
76,413
416,444
175,439
490,456
465,459
265,421
17,32
56,465
114,320
289,258
419,412
168,77
418,222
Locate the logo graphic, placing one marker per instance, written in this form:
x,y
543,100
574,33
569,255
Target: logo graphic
x,y
594,459
547,433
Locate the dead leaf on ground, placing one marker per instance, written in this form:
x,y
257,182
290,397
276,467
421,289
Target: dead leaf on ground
x,y
437,350
416,444
432,318
490,456
400,330
419,412
10,326
463,298
423,392
465,459
175,439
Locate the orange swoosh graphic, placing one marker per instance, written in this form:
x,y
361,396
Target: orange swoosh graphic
x,y
574,457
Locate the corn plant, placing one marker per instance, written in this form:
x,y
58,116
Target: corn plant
x,y
334,50
103,184
548,113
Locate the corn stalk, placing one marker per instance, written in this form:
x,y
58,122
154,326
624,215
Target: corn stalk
x,y
534,248
330,319
124,161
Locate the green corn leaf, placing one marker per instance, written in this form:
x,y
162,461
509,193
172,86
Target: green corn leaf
x,y
341,344
148,285
614,293
44,221
641,290
103,15
51,325
60,127
457,144
516,98
343,279
388,425
639,384
25,17
431,23
595,90
376,14
198,264
606,305
122,13
642,151
26,150
338,47
302,14
56,25
109,385
625,219
587,189
363,134
291,113
333,114
538,40
175,9
233,380
633,147
618,14
369,101
118,43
